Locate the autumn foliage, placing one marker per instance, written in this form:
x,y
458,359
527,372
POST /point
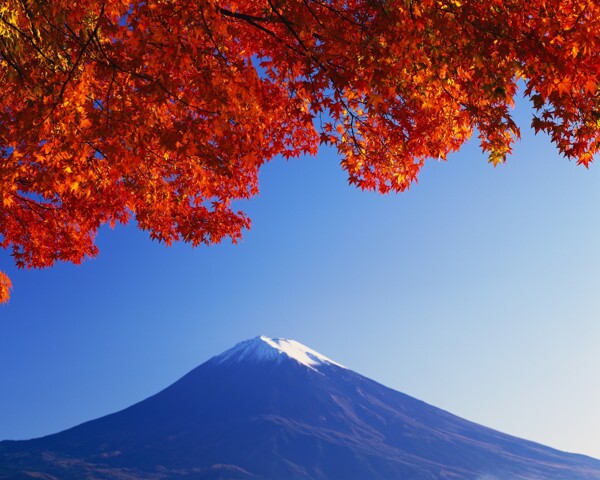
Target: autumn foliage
x,y
164,110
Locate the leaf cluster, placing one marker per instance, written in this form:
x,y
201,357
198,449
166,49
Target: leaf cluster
x,y
164,111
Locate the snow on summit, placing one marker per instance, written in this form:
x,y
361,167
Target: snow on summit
x,y
274,349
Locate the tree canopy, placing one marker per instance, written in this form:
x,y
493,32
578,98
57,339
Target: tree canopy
x,y
165,110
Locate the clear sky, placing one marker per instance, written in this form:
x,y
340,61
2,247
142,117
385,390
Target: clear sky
x,y
475,291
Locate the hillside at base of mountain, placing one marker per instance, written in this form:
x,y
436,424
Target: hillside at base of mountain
x,y
273,409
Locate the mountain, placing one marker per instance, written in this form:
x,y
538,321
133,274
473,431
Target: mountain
x,y
273,409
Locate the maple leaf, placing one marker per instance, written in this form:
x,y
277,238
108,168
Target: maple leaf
x,y
5,286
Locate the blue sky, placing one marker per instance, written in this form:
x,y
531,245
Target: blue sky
x,y
476,291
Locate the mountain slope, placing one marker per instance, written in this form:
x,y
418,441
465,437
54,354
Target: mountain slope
x,y
273,409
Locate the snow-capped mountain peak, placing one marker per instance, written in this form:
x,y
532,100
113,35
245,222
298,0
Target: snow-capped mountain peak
x,y
275,409
264,349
